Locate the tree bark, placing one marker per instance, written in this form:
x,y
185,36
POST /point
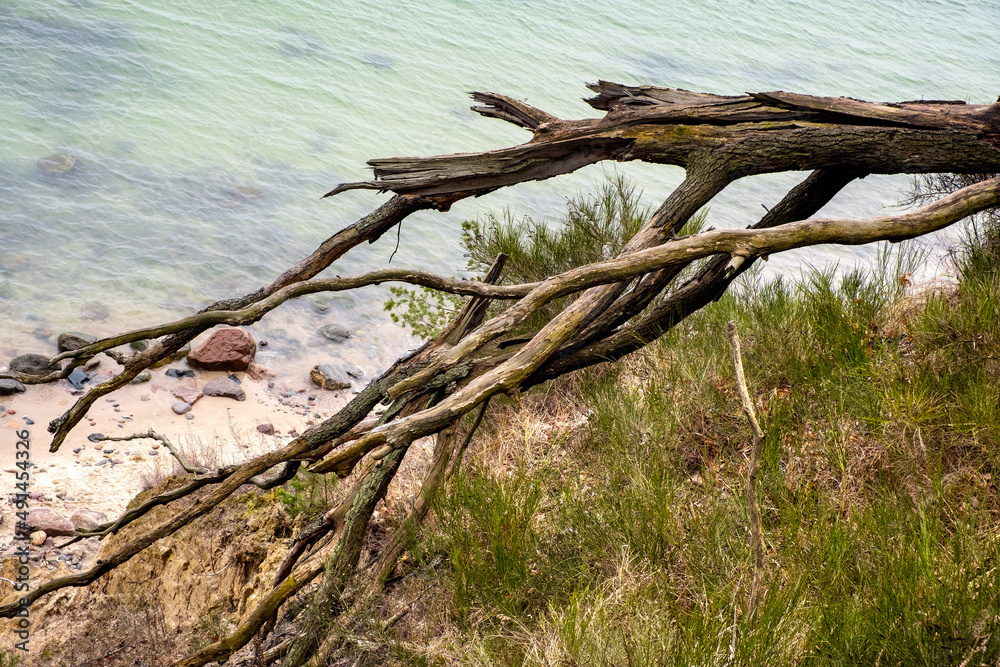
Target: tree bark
x,y
621,305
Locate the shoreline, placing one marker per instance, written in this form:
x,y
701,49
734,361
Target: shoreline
x,y
104,475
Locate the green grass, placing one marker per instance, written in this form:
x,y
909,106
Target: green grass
x,y
602,520
594,228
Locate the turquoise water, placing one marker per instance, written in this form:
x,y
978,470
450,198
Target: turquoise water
x,y
206,134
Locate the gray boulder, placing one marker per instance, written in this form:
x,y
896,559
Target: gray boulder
x,y
226,388
32,364
74,340
9,387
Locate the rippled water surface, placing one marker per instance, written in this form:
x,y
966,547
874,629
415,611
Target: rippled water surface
x,y
205,133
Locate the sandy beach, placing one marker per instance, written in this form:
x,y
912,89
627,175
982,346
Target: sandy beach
x,y
103,475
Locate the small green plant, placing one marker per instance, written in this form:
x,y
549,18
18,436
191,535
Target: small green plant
x,y
310,493
594,228
9,659
425,311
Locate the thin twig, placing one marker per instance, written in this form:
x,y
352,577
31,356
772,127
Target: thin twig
x,y
756,532
153,435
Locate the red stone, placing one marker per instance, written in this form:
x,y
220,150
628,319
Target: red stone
x,y
53,523
187,394
225,350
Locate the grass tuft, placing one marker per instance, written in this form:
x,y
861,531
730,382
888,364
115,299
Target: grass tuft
x,y
603,521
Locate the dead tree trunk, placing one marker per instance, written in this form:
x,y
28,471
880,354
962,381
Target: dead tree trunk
x,y
622,304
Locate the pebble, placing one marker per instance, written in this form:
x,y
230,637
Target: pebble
x,y
180,407
266,429
179,373
189,395
334,332
144,376
153,452
354,371
95,437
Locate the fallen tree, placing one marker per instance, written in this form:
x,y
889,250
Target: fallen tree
x,y
618,305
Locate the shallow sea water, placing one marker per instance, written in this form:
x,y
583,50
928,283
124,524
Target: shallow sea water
x,y
207,132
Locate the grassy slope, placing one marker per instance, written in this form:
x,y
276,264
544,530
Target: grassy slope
x,y
602,521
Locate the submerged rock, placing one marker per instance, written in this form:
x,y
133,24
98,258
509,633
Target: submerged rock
x,y
226,350
334,332
95,311
247,192
226,388
74,340
330,376
32,364
57,164
354,372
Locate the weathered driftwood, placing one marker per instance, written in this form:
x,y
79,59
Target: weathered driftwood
x,y
745,135
621,304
